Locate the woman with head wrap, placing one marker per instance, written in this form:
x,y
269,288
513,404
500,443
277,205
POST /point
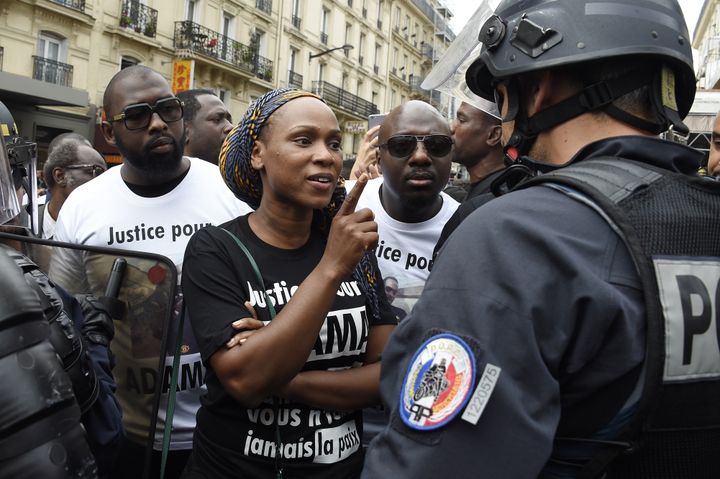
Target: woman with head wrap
x,y
285,393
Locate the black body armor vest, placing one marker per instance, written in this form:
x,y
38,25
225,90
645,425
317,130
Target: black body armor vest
x,y
40,430
670,223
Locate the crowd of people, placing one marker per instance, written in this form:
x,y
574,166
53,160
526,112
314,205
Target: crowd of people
x,y
559,321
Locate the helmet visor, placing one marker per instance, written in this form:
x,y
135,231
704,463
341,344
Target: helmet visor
x,y
448,74
9,204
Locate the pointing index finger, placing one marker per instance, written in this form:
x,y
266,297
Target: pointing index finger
x,y
351,200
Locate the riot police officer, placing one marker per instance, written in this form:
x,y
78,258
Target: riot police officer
x,y
576,315
59,415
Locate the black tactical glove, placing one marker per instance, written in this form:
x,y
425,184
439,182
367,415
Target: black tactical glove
x,y
98,326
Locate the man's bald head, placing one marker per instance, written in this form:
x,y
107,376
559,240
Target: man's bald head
x,y
415,168
395,122
136,71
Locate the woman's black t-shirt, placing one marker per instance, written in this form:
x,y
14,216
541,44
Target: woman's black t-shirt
x,y
217,280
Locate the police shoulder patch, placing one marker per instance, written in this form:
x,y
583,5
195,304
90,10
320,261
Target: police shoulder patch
x,y
438,382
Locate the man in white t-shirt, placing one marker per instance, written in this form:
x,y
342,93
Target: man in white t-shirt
x,y
152,203
415,154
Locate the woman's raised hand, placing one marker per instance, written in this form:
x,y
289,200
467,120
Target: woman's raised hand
x,y
351,234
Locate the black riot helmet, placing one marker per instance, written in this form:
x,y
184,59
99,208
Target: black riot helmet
x,y
526,36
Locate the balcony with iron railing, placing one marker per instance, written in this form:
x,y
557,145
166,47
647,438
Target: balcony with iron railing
x,y
323,38
415,81
264,5
295,80
344,100
296,21
78,5
426,50
198,39
426,8
139,17
52,71
442,29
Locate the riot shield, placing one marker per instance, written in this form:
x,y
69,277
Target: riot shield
x,y
141,291
448,74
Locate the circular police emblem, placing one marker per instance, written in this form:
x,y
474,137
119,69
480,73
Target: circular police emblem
x,y
438,382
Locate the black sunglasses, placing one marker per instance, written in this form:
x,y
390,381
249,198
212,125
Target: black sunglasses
x,y
402,146
93,170
137,117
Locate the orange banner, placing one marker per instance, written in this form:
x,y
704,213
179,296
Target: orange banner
x,y
182,75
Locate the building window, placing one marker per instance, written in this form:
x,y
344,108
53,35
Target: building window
x,y
293,59
296,14
128,62
361,49
348,34
261,42
228,25
223,94
324,18
321,72
48,64
295,79
190,9
51,47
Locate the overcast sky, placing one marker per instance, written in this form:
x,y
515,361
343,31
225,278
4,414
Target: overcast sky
x,y
463,10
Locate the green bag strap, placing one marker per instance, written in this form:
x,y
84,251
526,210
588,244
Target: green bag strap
x,y
255,268
271,309
167,431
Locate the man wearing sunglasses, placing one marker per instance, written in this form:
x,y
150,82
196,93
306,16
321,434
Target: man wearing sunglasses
x,y
152,203
415,154
574,302
69,165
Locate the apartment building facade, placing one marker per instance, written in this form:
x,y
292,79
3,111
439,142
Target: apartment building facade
x,y
707,42
361,56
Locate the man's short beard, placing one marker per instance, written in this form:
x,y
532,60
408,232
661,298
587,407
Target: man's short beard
x,y
149,162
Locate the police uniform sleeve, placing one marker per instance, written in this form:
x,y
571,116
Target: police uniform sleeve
x,y
103,420
531,290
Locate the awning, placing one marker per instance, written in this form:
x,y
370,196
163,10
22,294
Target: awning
x,y
28,91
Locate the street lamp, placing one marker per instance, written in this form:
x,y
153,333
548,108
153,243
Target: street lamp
x,y
345,47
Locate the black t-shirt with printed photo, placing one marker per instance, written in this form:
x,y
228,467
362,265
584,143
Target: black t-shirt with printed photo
x,y
217,280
